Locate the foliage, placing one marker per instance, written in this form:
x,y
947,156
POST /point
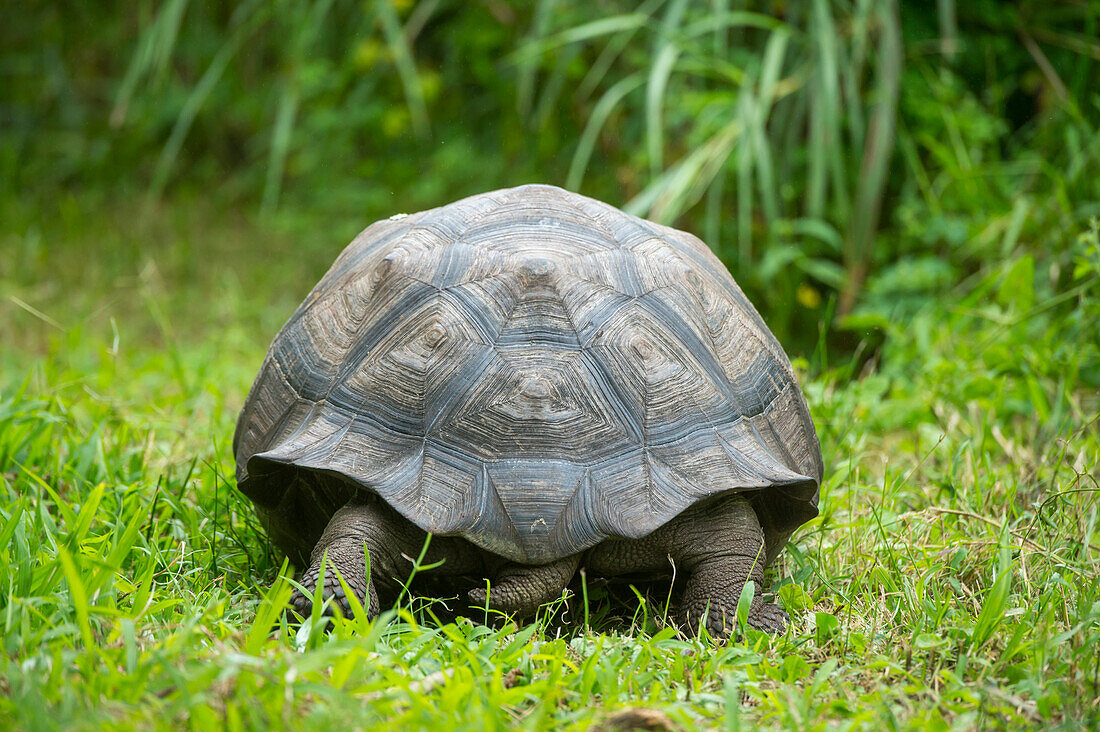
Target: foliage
x,y
806,142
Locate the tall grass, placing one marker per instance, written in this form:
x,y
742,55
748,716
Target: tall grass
x,y
782,133
794,137
733,109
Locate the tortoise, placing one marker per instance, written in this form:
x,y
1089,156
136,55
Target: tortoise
x,y
541,382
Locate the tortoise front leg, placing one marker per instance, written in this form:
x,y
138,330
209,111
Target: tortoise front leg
x,y
357,528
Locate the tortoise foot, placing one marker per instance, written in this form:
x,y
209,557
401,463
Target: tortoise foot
x,y
332,592
522,588
768,617
345,557
721,618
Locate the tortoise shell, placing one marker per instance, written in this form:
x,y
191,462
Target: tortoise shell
x,y
532,370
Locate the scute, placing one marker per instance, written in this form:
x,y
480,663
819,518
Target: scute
x,y
530,369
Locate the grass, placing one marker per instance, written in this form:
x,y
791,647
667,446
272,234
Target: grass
x,y
951,582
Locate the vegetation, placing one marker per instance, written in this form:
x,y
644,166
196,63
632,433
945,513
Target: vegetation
x,y
908,191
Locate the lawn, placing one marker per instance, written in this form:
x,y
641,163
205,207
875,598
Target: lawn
x,y
951,580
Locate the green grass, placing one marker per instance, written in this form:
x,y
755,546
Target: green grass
x,y
951,581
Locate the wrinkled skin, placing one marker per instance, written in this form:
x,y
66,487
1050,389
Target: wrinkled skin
x,y
719,545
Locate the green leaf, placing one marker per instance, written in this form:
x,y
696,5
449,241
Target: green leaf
x,y
406,66
587,142
272,605
11,524
744,602
929,640
122,546
993,609
78,595
864,322
533,50
827,627
1018,286
84,519
667,53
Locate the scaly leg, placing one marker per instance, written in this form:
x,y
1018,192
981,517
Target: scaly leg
x,y
522,588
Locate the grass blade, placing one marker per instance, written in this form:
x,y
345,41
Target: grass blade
x,y
529,67
827,156
79,527
247,18
587,141
533,51
305,34
552,88
280,145
272,605
725,21
612,50
664,61
746,114
683,184
774,53
124,542
11,524
993,609
406,66
153,53
878,151
949,34
78,595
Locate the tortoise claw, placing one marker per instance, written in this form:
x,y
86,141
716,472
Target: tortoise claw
x,y
332,592
721,620
768,618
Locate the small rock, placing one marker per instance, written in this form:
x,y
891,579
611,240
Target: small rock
x,y
512,678
637,718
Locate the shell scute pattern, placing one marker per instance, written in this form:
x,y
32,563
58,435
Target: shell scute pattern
x,y
535,371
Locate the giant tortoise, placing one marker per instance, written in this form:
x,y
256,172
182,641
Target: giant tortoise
x,y
541,382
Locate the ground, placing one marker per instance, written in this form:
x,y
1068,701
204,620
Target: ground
x,y
951,580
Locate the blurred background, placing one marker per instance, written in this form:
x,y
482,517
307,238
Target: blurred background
x,y
851,161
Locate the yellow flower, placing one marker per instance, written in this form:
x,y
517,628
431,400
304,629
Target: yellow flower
x,y
808,296
368,53
395,120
